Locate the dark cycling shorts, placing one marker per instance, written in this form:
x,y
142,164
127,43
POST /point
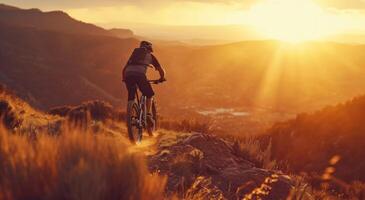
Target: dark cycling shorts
x,y
132,81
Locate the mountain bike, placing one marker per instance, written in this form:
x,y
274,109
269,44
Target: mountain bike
x,y
137,120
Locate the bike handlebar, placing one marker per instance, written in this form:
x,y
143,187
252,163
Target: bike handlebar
x,y
158,81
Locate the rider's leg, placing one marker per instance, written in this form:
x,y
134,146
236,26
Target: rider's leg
x,y
131,85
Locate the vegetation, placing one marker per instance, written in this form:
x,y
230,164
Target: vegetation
x,y
75,165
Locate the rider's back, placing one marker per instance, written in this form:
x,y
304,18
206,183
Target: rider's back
x,y
138,62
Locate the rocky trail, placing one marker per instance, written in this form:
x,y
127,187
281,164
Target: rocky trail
x,y
206,167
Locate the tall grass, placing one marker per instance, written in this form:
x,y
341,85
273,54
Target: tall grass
x,y
74,165
250,149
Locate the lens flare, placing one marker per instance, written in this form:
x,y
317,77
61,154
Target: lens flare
x,y
290,20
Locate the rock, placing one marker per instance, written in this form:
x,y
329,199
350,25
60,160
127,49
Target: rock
x,y
203,188
205,167
8,116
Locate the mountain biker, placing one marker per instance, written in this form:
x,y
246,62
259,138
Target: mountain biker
x,y
134,74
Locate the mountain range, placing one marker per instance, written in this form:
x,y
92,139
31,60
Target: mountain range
x,y
74,61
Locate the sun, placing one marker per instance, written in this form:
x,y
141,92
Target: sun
x,y
289,20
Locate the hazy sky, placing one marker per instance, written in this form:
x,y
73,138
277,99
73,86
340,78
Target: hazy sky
x,y
322,16
68,4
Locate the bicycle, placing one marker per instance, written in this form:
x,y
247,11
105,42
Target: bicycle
x,y
137,117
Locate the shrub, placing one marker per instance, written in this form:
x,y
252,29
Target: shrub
x,y
7,115
94,110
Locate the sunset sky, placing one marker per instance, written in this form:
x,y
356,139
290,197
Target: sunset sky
x,y
279,19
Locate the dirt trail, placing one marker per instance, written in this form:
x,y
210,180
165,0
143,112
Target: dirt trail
x,y
147,146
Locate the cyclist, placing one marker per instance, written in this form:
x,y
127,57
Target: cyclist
x,y
134,74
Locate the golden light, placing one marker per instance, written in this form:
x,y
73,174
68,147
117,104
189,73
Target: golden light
x,y
290,20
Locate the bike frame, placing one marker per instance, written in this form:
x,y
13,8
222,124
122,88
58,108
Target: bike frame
x,y
142,107
141,102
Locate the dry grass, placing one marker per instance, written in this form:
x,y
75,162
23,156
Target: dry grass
x,y
185,125
250,149
16,114
98,110
73,165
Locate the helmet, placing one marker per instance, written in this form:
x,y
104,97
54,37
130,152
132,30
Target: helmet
x,y
147,45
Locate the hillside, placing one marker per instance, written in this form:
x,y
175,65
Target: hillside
x,y
189,165
44,66
309,142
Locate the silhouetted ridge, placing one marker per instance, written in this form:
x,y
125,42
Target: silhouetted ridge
x,y
309,141
7,7
54,21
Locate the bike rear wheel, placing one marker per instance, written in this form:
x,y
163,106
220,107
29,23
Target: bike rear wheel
x,y
133,124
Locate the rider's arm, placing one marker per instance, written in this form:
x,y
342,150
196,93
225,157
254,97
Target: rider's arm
x,y
158,67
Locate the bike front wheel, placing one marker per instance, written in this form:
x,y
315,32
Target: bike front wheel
x,y
133,123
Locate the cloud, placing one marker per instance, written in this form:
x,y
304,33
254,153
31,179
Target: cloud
x,y
73,4
172,13
342,4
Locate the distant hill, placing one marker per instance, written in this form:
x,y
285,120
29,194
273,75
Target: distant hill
x,y
268,74
198,34
308,142
4,7
53,21
122,33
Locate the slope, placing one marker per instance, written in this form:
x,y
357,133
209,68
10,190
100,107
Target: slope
x,y
43,66
331,137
